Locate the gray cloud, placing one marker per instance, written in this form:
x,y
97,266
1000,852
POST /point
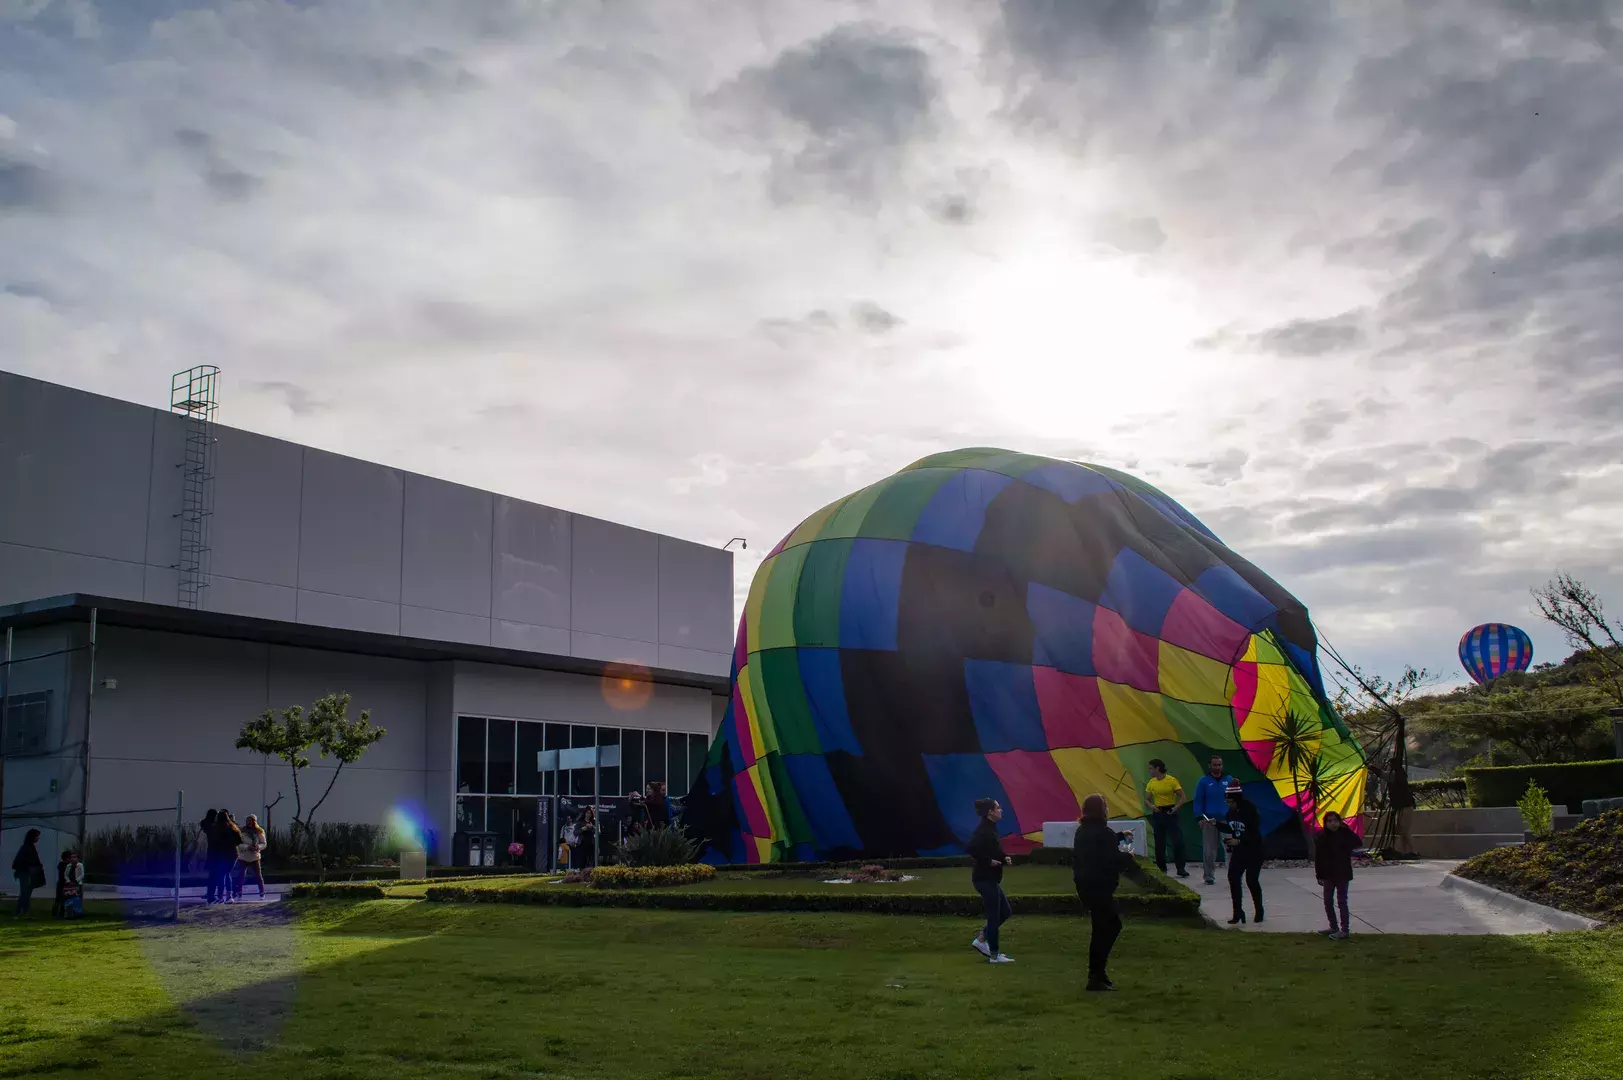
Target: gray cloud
x,y
840,110
297,399
873,319
1311,337
25,186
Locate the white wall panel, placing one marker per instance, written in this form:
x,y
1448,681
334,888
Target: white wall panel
x,y
541,639
394,690
672,658
73,470
525,694
252,598
531,564
349,534
348,613
614,581
695,596
625,650
257,506
165,484
432,625
30,573
447,547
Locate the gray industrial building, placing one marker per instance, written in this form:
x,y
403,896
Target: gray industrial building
x,y
163,579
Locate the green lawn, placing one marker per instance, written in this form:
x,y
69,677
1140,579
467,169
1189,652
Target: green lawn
x,y
1019,881
412,990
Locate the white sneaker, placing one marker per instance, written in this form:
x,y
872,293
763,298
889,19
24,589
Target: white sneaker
x,y
980,946
1340,935
1001,959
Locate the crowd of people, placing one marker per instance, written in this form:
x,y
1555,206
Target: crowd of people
x,y
230,853
1101,856
577,850
28,870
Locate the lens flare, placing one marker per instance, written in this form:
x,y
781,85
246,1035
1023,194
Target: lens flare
x,y
626,686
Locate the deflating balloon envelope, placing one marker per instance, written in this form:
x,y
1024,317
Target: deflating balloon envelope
x,y
990,623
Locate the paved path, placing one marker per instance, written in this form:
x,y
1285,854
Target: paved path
x,y
1400,898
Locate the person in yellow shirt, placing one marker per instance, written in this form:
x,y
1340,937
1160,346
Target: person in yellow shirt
x,y
1163,797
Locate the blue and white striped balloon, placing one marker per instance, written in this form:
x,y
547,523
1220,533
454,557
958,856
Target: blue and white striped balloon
x,y
1490,650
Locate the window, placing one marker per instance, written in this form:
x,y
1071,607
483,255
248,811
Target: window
x,y
654,757
470,754
698,750
28,719
610,780
676,767
500,760
631,759
470,814
530,736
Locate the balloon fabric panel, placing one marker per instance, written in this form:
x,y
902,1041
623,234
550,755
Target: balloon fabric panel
x,y
987,623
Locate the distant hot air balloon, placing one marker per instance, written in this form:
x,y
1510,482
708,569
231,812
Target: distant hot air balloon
x,y
1490,650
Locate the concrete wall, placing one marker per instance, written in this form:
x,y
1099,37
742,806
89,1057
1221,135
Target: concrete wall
x,y
171,722
91,491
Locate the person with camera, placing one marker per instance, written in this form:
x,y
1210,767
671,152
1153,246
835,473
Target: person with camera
x,y
1100,856
1164,797
1244,842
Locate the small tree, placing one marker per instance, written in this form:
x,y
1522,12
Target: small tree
x,y
1537,811
1296,740
1574,607
291,736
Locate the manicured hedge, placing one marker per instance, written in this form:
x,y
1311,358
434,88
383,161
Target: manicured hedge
x,y
337,890
1438,794
1183,904
1041,856
649,877
1567,785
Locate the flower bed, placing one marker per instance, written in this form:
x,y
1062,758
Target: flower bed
x,y
649,877
1578,870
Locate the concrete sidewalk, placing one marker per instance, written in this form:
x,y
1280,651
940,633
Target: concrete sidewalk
x,y
1398,898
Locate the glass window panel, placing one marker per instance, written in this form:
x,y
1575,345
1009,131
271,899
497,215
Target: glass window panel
x,y
580,783
582,735
676,763
510,820
698,750
611,781
631,759
557,737
499,761
529,745
470,814
470,753
654,762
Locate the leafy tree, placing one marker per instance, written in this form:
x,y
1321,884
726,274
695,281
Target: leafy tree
x,y
1540,723
292,734
1578,611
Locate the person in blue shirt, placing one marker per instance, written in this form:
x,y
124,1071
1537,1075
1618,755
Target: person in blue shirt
x,y
1211,807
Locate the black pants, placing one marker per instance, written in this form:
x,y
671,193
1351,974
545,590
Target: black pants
x,y
998,911
1100,904
1247,864
1163,824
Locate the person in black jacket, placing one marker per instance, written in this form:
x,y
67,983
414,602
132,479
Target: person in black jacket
x,y
28,870
1244,842
1097,864
987,851
206,844
1332,865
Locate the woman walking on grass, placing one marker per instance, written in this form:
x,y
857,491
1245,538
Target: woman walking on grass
x,y
987,851
1097,864
29,872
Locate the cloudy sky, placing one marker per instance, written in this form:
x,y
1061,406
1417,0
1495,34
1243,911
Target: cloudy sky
x,y
1341,277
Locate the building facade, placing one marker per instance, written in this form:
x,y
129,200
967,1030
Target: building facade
x,y
478,629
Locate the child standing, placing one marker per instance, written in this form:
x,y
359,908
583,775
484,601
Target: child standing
x,y
72,887
1332,865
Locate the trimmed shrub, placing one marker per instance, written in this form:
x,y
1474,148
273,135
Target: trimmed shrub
x,y
1568,784
1185,904
1576,870
337,890
657,847
1438,794
649,877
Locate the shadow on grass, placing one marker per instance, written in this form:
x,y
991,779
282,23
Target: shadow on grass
x,y
408,990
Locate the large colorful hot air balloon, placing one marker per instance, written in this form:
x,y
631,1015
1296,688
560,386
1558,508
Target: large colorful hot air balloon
x,y
1490,650
989,623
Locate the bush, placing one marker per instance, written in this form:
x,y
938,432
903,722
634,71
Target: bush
x,y
1536,810
649,877
658,847
337,890
1438,794
1576,870
141,849
1567,784
1171,905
